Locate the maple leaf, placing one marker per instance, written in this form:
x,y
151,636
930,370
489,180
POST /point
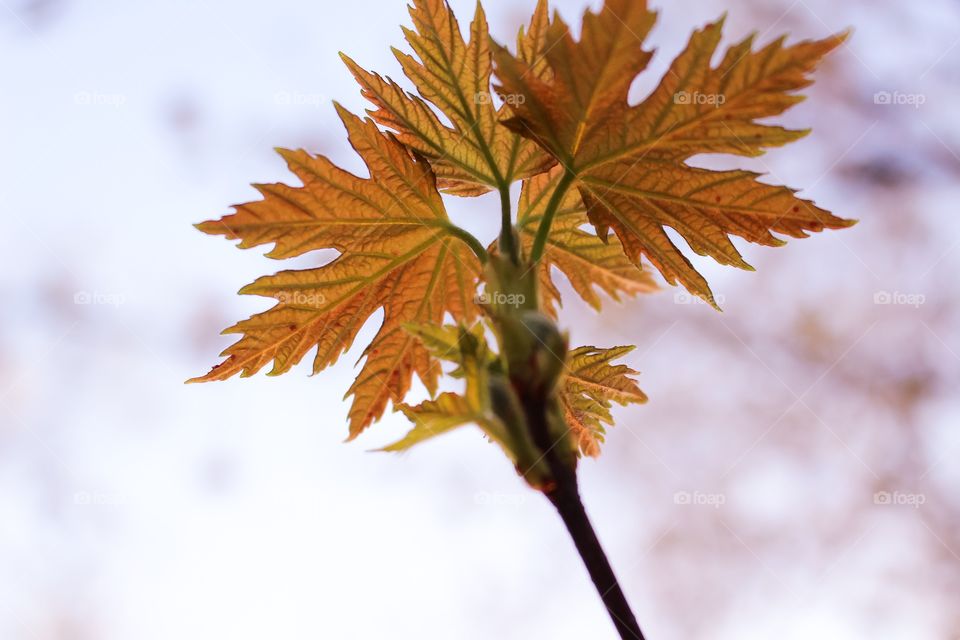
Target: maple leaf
x,y
586,155
585,259
397,250
475,153
466,348
629,162
591,385
482,403
590,388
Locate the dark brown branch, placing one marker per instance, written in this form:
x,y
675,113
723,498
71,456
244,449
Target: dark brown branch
x,y
566,498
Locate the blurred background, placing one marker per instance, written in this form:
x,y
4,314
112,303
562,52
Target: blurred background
x,y
794,475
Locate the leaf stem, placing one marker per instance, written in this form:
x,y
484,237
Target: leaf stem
x,y
543,231
508,244
471,241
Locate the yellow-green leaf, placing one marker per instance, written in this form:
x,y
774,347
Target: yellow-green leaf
x,y
467,348
591,386
437,417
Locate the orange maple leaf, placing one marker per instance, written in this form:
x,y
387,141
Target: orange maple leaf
x,y
398,252
629,162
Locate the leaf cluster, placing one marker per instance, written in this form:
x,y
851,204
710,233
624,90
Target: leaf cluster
x,y
555,114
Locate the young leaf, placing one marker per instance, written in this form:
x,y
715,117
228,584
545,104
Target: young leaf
x,y
449,342
591,386
397,252
468,349
434,418
630,161
475,154
587,261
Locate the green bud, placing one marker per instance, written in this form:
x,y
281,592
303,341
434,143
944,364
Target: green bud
x,y
507,407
